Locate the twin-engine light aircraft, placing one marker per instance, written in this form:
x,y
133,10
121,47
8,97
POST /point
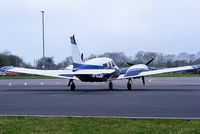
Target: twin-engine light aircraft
x,y
98,70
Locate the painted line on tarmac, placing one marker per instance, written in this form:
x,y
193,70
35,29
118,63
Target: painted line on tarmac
x,y
10,84
122,117
57,83
150,80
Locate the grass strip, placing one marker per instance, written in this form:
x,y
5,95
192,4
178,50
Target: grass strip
x,y
64,125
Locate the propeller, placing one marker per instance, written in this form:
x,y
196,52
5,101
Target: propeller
x,y
143,79
149,61
130,64
82,56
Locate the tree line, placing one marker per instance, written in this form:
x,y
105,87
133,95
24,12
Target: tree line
x,y
160,60
8,59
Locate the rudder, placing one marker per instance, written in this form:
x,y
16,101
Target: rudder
x,y
76,56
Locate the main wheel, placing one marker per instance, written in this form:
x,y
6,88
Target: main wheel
x,y
111,85
129,86
72,87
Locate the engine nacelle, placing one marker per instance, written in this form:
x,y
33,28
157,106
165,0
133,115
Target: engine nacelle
x,y
136,69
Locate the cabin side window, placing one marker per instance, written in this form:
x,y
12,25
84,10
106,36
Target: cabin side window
x,y
105,65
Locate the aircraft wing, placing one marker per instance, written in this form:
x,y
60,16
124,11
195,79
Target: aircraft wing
x,y
67,73
159,71
54,73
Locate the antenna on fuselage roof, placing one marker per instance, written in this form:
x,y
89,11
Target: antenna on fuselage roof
x,y
82,56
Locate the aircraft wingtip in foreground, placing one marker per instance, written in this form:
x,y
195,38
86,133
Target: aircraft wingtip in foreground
x,y
98,70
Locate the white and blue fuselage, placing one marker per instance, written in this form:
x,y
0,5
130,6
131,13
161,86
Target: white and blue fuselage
x,y
105,69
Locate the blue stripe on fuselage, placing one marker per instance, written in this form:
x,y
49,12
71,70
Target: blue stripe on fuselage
x,y
134,71
83,66
66,75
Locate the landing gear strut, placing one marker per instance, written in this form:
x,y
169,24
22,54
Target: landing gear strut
x,y
110,85
129,86
72,85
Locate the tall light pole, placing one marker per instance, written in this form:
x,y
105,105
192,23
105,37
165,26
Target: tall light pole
x,y
43,38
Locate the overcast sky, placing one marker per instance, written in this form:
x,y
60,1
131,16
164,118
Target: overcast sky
x,y
167,26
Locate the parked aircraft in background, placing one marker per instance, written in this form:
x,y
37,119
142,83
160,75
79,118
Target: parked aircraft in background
x,y
98,70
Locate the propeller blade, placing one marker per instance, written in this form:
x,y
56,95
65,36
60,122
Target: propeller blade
x,y
149,61
130,64
82,56
143,80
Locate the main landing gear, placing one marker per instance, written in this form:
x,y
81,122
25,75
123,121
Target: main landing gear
x,y
129,86
72,85
110,85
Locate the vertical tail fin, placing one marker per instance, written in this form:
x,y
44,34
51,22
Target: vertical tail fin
x,y
76,56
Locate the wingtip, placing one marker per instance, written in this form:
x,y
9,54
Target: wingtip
x,y
196,66
6,68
